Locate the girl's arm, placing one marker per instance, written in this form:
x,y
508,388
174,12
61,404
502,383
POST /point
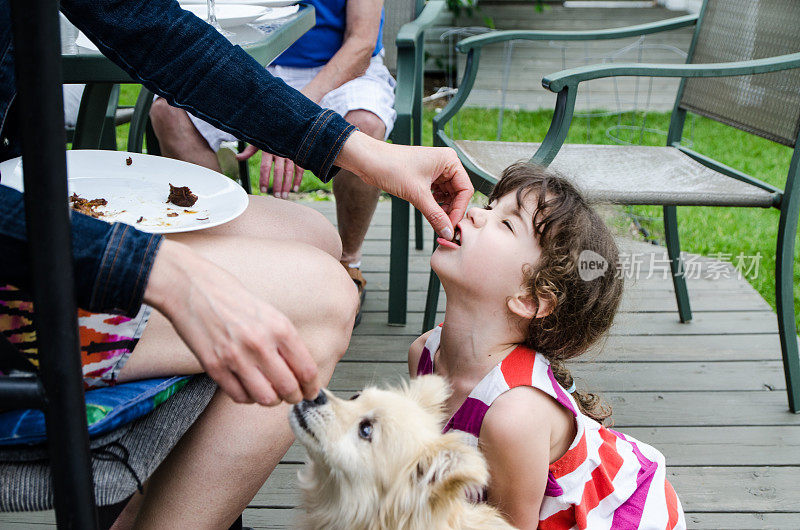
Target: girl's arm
x,y
515,439
414,351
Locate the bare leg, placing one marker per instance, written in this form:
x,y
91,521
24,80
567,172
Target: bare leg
x,y
270,218
179,138
355,199
223,460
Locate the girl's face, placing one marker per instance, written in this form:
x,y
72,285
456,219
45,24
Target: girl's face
x,y
496,244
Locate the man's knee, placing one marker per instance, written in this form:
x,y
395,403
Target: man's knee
x,y
162,114
368,122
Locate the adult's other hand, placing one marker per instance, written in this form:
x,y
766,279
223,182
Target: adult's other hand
x,y
286,175
430,178
247,346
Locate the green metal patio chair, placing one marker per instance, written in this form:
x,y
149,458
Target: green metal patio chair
x,y
408,131
743,70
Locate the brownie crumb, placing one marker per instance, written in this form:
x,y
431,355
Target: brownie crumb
x,y
172,214
181,196
128,161
86,206
140,219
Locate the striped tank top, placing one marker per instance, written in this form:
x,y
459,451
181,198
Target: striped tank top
x,y
605,479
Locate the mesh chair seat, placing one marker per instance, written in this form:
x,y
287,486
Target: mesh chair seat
x,y
120,459
626,174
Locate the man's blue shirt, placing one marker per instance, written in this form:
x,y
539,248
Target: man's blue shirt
x,y
316,47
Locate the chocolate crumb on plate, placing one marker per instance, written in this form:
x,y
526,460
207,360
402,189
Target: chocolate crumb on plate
x,y
86,206
181,196
128,161
140,219
172,214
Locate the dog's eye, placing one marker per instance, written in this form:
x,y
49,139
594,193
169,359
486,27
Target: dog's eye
x,y
365,430
355,396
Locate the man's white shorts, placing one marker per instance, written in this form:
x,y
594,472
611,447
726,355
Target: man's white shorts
x,y
373,91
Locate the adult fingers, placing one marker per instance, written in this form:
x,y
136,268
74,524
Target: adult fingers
x,y
249,151
288,177
227,381
273,367
455,183
278,173
267,160
258,386
434,213
299,360
298,178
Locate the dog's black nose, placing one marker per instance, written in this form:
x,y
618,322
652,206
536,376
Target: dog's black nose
x,y
321,399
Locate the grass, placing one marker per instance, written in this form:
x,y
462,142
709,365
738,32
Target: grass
x,y
721,232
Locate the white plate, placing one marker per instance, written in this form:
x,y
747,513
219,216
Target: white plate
x,y
262,3
228,15
141,189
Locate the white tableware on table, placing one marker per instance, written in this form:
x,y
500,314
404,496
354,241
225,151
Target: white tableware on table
x,y
140,190
275,13
261,3
229,15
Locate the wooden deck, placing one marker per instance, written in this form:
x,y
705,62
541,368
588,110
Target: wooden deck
x,y
709,394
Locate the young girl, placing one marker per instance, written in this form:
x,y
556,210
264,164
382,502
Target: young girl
x,y
517,308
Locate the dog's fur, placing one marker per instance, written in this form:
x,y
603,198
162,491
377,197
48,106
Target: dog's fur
x,y
406,475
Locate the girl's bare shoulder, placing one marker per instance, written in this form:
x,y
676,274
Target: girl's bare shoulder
x,y
414,352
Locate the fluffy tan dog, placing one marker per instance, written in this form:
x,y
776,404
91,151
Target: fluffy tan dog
x,y
380,462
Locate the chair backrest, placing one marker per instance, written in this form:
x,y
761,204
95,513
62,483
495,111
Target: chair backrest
x,y
737,30
397,13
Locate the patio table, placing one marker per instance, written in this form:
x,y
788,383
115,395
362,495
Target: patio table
x,y
264,42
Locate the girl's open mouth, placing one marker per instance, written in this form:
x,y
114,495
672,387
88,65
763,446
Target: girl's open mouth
x,y
455,243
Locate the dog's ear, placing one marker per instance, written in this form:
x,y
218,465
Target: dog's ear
x,y
430,392
450,466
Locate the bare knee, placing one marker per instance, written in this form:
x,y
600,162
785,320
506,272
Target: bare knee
x,y
321,233
368,122
335,305
164,116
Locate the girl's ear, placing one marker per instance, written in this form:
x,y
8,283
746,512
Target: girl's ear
x,y
523,305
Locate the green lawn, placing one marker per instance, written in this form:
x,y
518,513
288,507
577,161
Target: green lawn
x,y
724,232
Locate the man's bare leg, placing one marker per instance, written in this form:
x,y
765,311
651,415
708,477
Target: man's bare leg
x,y
223,460
356,200
179,138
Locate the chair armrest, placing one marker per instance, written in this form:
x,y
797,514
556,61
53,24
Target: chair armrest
x,y
479,41
573,76
410,32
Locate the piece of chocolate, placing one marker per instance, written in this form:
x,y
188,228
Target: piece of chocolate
x,y
86,206
181,196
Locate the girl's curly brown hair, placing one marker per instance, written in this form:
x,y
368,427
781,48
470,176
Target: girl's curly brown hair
x,y
581,311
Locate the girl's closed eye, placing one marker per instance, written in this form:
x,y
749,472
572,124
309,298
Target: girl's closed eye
x,y
509,225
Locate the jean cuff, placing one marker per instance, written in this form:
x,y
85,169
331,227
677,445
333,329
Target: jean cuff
x,y
124,270
331,131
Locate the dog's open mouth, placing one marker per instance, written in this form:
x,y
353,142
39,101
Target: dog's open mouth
x,y
301,421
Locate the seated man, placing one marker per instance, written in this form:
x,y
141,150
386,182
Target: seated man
x,y
337,64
